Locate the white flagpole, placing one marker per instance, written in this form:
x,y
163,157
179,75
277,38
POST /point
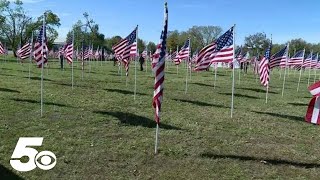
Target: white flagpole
x,y
285,70
232,96
215,67
267,92
82,63
187,73
135,67
157,140
310,69
315,70
304,51
146,60
72,58
42,61
174,57
30,58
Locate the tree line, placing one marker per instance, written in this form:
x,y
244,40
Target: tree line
x,y
16,28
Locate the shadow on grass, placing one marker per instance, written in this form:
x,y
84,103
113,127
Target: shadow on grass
x,y
299,104
38,102
240,95
198,103
257,90
262,160
9,90
8,174
38,79
8,75
135,120
125,92
295,118
70,85
202,84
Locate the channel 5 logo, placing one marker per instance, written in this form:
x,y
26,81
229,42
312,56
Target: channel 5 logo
x,y
47,159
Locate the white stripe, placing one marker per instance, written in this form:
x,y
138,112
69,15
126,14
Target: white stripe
x,y
315,113
315,91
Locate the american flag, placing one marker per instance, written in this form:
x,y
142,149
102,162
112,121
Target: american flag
x,y
2,49
173,55
97,54
313,112
307,62
264,67
40,48
158,65
86,53
25,51
279,58
194,56
314,61
296,59
127,46
245,57
184,53
68,50
220,50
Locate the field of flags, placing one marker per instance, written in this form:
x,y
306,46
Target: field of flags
x,y
220,104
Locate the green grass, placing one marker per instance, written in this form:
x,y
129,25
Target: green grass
x,y
98,131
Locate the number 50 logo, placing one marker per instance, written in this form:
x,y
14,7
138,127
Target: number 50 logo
x,y
45,157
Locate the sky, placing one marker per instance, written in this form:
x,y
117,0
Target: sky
x,y
284,19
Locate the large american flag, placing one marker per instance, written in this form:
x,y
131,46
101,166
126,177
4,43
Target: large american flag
x,y
220,50
68,50
2,49
264,67
40,47
279,57
184,53
25,51
158,65
127,46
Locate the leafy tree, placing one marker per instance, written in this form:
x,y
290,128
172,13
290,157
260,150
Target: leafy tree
x,y
152,47
87,33
13,22
256,43
141,45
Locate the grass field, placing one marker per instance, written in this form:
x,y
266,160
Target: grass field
x,y
98,131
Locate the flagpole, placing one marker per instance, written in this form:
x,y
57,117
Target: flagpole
x,y
42,61
146,60
267,92
304,51
157,139
285,70
315,70
72,58
30,58
232,97
176,55
135,67
187,73
215,67
310,68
